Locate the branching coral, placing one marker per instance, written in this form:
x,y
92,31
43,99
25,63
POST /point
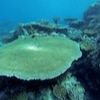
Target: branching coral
x,y
38,58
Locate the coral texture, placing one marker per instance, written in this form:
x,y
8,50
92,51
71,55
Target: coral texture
x,y
38,58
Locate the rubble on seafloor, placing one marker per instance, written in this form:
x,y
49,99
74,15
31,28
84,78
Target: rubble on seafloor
x,y
81,81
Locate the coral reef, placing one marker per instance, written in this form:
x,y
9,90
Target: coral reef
x,y
32,29
79,80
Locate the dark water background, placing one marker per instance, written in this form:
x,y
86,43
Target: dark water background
x,y
13,12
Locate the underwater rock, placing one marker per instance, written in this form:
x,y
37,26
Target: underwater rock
x,y
7,39
39,58
31,29
10,37
47,29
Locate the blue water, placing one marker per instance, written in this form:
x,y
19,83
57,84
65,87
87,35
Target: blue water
x,y
18,11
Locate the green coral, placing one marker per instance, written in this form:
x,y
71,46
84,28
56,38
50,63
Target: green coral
x,y
38,58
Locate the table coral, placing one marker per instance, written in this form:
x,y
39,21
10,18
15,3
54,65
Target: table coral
x,y
39,58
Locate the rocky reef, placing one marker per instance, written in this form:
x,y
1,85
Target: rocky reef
x,y
34,28
80,79
87,70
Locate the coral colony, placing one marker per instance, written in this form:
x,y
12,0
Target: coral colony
x,y
38,58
